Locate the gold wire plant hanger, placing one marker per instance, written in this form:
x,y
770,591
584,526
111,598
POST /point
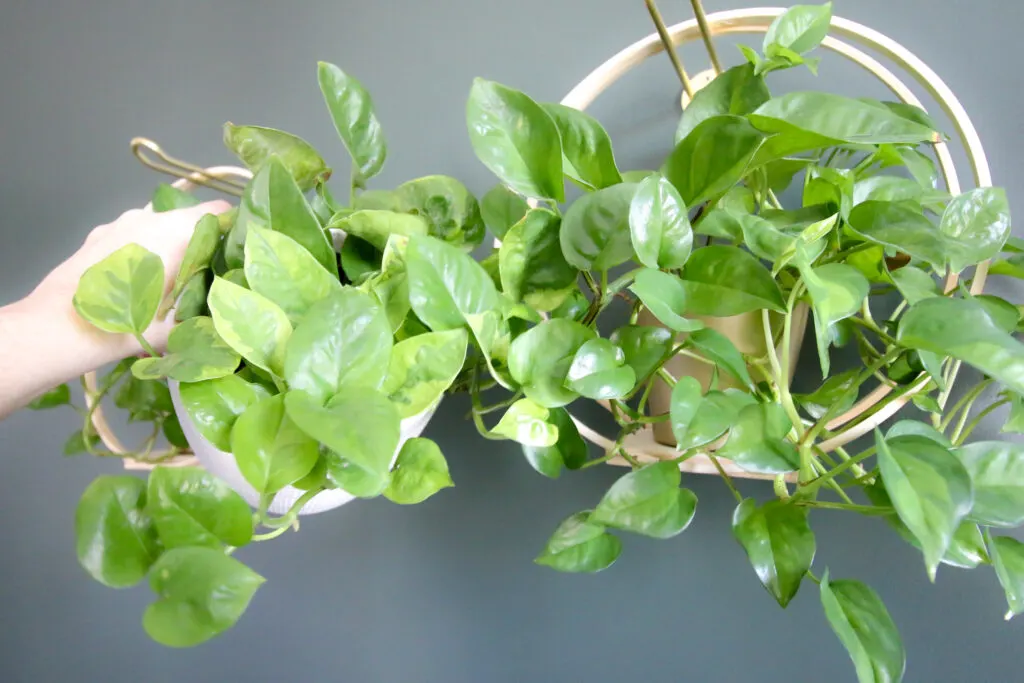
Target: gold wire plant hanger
x,y
846,38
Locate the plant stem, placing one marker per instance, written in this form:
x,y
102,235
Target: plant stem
x,y
726,478
667,378
289,517
830,476
961,434
269,535
870,325
965,403
146,346
783,386
863,509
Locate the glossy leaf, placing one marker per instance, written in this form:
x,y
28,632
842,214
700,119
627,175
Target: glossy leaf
x,y
516,139
963,329
254,145
862,623
724,281
717,347
276,196
901,227
712,158
757,442
997,475
351,109
120,294
530,258
195,352
659,224
201,593
115,539
280,269
422,368
643,346
978,224
568,451
916,428
376,226
168,198
837,292
580,546
199,252
649,502
598,371
834,393
664,295
191,507
1008,559
587,154
930,489
215,405
361,426
450,211
915,284
779,543
687,396
420,471
251,324
715,415
58,396
446,284
344,341
501,209
270,450
539,360
526,422
800,28
595,231
737,91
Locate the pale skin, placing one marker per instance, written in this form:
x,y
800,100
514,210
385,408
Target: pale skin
x,y
44,342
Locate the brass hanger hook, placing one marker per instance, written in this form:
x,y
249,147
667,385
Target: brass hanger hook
x,y
142,148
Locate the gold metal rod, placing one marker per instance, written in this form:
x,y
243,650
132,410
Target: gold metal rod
x,y
705,31
142,147
666,40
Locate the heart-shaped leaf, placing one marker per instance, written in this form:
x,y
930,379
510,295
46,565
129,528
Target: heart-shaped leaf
x,y
757,442
168,198
659,224
779,543
199,252
837,292
1008,559
215,404
270,450
446,285
568,451
114,536
202,592
976,224
587,155
699,174
451,212
801,28
687,396
736,91
420,471
191,507
527,423
251,324
715,415
422,368
598,371
530,259
254,145
595,231
580,546
539,360
376,226
716,347
664,295
862,623
724,281
516,139
501,209
899,226
195,353
997,474
914,284
649,502
121,293
351,109
644,346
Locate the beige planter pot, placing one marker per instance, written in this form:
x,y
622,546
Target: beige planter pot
x,y
746,331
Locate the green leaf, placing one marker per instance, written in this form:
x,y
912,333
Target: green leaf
x,y
516,139
199,253
145,400
837,292
530,259
58,396
168,198
834,393
173,432
344,341
664,295
569,450
526,422
595,230
1015,420
686,399
376,226
757,442
862,623
997,475
270,449
587,155
737,91
115,540
120,294
190,506
359,259
717,413
254,145
214,406
1008,558
977,224
201,593
899,226
539,360
659,224
895,189
580,546
360,426
280,269
916,428
351,109
725,281
195,352
76,443
800,28
251,324
192,301
598,371
643,346
1005,315
649,502
716,347
963,329
698,173
930,489
420,471
779,543
915,284
451,212
446,285
422,368
501,209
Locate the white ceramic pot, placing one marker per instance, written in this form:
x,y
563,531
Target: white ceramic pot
x,y
223,466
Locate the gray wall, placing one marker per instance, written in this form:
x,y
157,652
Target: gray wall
x,y
445,591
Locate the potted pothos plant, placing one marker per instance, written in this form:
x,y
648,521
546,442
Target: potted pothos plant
x,y
716,273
